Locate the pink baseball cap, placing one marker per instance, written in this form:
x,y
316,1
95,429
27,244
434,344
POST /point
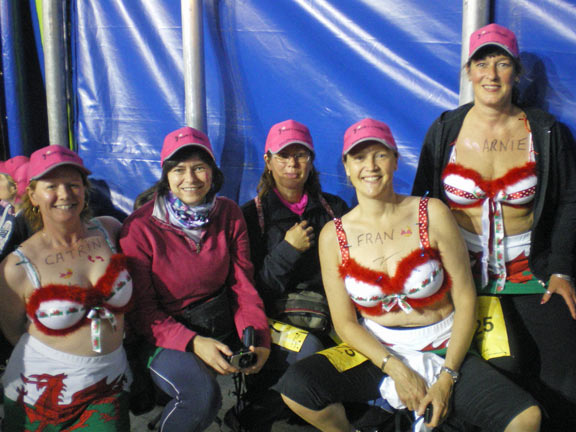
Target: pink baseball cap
x,y
184,137
50,157
12,164
368,130
287,133
493,34
21,178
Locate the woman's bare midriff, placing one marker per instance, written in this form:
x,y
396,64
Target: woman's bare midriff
x,y
79,342
430,315
517,220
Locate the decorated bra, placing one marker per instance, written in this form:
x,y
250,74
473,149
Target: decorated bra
x,y
419,280
465,188
58,309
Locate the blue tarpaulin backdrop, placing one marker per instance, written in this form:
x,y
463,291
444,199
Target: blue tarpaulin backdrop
x,y
326,63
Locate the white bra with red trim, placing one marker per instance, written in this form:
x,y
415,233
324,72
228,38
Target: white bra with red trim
x,y
419,279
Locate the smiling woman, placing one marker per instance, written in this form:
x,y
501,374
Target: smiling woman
x,y
508,173
190,180
404,307
64,293
188,252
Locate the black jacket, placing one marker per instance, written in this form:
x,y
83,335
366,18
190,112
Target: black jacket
x,y
554,227
279,267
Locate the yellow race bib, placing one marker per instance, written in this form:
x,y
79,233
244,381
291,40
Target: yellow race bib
x,y
287,336
343,357
491,335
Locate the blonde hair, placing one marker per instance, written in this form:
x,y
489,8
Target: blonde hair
x,y
11,184
33,215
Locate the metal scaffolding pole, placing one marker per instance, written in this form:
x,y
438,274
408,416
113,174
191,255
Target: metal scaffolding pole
x,y
475,14
193,53
55,70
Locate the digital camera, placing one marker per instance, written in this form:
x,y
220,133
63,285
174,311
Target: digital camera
x,y
243,358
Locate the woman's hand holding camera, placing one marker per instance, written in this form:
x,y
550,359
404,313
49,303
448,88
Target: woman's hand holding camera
x,y
249,359
213,353
219,356
261,355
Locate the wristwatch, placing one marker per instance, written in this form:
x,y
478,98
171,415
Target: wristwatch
x,y
453,374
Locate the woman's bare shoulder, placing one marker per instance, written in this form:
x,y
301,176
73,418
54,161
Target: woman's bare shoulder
x,y
437,207
13,273
110,224
328,232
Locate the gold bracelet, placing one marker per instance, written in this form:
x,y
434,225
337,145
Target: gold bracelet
x,y
385,361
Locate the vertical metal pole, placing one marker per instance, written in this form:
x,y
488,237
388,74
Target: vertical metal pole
x,y
193,53
475,14
55,70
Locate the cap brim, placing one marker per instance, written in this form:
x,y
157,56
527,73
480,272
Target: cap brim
x,y
289,143
81,168
202,146
496,44
363,140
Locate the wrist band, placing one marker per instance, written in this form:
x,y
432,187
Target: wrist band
x,y
563,276
385,361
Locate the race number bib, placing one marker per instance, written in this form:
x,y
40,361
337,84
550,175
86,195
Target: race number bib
x,y
491,335
343,357
287,336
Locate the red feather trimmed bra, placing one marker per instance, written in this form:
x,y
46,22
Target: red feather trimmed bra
x,y
419,280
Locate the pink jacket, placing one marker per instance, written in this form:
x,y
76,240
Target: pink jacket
x,y
171,271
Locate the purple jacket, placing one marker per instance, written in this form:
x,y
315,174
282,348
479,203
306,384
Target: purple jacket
x,y
171,271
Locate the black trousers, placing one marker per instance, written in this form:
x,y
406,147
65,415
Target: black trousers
x,y
543,355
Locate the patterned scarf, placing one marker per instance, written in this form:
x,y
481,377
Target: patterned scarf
x,y
188,217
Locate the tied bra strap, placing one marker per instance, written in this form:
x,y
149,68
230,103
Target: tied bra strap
x,y
96,315
423,222
342,240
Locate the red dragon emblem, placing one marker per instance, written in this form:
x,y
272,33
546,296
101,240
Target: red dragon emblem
x,y
49,410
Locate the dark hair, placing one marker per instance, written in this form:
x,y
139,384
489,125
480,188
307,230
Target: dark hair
x,y
267,183
162,187
34,217
144,197
494,50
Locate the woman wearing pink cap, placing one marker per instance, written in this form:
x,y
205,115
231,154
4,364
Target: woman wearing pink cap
x,y
188,251
64,293
396,261
283,222
13,182
508,173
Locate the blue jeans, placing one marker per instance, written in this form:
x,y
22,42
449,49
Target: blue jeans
x,y
191,385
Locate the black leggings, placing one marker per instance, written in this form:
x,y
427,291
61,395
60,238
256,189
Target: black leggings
x,y
543,354
482,397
